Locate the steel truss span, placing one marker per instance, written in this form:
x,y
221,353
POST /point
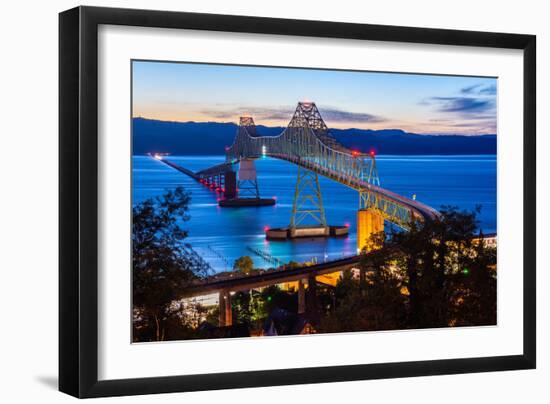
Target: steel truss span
x,y
308,143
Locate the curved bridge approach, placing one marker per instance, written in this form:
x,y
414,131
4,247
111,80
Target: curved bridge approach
x,y
307,143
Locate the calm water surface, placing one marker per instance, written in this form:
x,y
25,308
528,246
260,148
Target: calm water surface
x,y
221,235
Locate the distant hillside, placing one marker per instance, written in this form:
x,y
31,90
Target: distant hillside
x,y
207,138
396,141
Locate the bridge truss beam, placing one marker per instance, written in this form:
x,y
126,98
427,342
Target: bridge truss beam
x,y
307,143
247,184
308,201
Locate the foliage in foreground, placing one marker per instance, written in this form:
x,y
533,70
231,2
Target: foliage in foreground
x,y
163,265
438,274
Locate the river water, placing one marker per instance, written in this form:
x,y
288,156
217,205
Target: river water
x,y
221,235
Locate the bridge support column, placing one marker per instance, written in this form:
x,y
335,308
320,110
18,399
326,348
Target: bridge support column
x,y
369,222
301,297
226,315
307,208
312,309
248,180
230,184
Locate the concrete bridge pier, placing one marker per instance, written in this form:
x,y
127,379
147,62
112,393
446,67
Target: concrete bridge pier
x,y
230,184
226,315
369,222
241,190
248,179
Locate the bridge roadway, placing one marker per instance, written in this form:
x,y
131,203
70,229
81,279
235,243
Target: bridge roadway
x,y
179,168
425,211
218,169
243,282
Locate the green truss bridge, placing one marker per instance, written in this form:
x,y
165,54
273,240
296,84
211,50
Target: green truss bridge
x,y
307,143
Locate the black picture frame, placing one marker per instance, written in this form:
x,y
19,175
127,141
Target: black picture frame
x,y
78,200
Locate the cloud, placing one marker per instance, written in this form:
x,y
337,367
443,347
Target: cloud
x,y
255,112
475,124
480,89
473,114
269,113
470,89
462,104
226,114
489,90
285,114
337,115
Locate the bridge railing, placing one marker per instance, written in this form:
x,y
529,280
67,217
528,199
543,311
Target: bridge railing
x,y
303,143
302,147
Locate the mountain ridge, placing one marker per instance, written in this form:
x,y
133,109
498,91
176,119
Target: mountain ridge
x,y
187,138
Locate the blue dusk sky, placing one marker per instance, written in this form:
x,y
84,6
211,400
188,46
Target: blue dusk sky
x,y
426,104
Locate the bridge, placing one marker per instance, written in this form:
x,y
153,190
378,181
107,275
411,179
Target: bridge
x,y
304,279
307,143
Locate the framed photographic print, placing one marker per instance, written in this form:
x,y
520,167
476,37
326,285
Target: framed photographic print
x,y
250,201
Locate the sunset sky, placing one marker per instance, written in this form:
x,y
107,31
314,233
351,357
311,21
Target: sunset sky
x,y
415,103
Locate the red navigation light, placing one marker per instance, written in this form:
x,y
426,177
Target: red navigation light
x,y
372,153
266,228
346,224
355,153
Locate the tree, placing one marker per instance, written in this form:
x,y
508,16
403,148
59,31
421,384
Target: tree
x,y
432,256
163,264
241,308
253,307
293,265
438,273
475,299
373,301
244,264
